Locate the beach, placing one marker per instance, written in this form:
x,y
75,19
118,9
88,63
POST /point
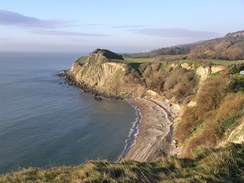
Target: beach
x,y
155,131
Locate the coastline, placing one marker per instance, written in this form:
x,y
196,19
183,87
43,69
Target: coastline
x,y
130,141
155,136
155,131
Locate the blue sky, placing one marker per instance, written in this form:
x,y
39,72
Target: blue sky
x,y
121,26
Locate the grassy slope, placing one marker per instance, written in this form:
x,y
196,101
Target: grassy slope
x,y
217,117
209,165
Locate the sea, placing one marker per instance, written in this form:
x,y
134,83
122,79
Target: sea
x,y
45,122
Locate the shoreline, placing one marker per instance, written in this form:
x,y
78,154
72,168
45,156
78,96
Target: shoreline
x,y
155,136
130,141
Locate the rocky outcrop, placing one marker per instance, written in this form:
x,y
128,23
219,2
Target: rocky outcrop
x,y
237,135
104,75
204,72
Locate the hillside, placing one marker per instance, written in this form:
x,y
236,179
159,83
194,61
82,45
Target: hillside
x,y
209,165
229,47
200,91
179,83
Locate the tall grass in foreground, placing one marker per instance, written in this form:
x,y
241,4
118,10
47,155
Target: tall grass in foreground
x,y
208,165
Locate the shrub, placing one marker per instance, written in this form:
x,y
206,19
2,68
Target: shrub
x,y
208,100
237,83
212,93
180,84
216,111
235,68
177,76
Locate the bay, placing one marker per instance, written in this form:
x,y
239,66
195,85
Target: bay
x,y
44,122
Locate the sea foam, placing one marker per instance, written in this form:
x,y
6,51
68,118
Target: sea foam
x,y
130,141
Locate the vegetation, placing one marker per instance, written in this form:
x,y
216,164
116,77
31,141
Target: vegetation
x,y
226,48
140,55
82,60
173,80
137,61
219,101
219,108
208,165
230,47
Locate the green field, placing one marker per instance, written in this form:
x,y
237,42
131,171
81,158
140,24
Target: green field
x,y
225,62
136,61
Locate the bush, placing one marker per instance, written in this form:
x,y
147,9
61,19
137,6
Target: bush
x,y
208,100
236,68
237,83
180,84
216,111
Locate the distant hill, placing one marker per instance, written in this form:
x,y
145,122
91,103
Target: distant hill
x,y
229,47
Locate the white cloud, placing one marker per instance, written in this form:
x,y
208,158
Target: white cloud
x,y
3,39
9,18
65,33
176,33
129,26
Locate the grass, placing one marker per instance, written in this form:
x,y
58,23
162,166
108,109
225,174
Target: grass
x,y
82,60
139,55
208,165
225,62
135,60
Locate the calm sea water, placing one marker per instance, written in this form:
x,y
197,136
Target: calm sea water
x,y
45,122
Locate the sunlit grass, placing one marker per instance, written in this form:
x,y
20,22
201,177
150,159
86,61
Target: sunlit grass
x,y
82,60
225,62
208,165
132,60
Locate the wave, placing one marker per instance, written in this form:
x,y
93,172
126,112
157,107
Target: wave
x,y
130,141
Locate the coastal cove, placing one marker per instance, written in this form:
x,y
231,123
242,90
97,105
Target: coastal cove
x,y
45,122
101,76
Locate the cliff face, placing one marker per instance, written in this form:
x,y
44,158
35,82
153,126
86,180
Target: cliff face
x,y
105,76
105,73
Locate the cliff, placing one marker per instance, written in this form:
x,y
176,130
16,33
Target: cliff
x,y
198,91
104,75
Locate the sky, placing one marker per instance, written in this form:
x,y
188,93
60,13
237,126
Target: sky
x,y
123,26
